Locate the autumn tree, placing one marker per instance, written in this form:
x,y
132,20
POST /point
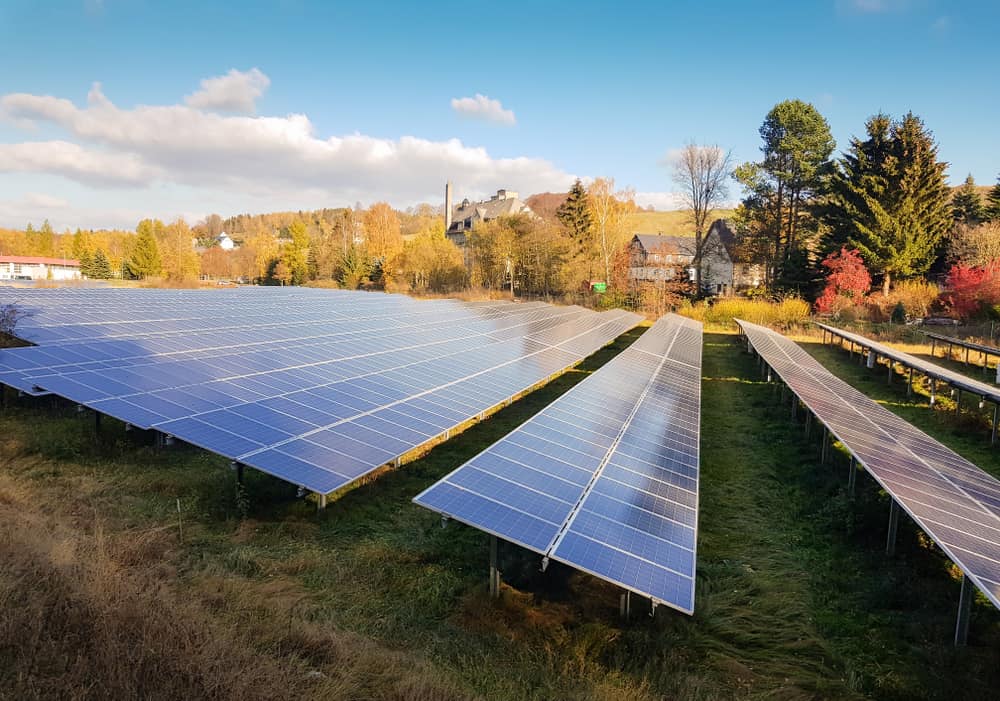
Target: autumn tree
x,y
383,238
888,198
609,211
779,188
975,245
295,255
178,257
701,173
966,204
430,262
144,258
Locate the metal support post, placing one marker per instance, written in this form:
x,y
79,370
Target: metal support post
x,y
933,392
996,418
769,378
966,355
909,384
239,473
964,612
891,370
932,347
809,423
625,604
494,572
826,446
852,476
958,402
871,358
320,502
784,388
890,542
795,407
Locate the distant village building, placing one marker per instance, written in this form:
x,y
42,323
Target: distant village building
x,y
458,221
657,257
35,268
224,242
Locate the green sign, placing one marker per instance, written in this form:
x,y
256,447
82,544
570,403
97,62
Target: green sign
x,y
599,287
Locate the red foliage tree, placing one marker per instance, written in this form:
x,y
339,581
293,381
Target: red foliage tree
x,y
848,280
969,288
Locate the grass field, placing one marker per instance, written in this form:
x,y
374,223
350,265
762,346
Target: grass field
x,y
674,223
130,572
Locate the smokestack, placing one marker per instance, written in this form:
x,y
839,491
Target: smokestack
x,y
447,206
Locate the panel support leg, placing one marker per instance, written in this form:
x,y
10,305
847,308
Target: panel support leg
x,y
239,473
494,571
909,384
809,421
871,359
933,392
625,605
996,418
890,542
890,373
795,407
824,451
320,502
964,612
958,402
852,476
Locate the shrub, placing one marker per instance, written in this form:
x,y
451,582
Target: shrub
x,y
969,290
848,280
787,312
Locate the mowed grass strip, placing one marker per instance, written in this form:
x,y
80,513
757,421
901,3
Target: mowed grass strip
x,y
795,598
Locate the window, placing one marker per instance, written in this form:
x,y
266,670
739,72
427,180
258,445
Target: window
x,y
15,268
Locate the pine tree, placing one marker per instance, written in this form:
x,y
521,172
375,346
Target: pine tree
x,y
144,259
100,266
888,198
575,215
992,209
967,205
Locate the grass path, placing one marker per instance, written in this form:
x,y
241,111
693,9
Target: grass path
x,y
795,598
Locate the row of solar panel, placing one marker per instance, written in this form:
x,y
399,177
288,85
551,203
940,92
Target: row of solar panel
x,y
953,501
604,479
323,405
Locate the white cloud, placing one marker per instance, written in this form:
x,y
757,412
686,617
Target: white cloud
x,y
65,158
484,108
255,156
236,92
663,201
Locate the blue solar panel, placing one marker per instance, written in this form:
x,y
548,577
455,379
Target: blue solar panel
x,y
606,478
316,387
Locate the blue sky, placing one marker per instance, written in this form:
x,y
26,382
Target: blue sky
x,y
105,118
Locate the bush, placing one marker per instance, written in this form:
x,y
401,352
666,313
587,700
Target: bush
x,y
971,290
918,298
787,312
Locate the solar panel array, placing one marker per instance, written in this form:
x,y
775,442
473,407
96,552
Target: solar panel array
x,y
315,387
952,500
604,479
925,367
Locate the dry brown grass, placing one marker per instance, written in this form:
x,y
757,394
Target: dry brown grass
x,y
88,615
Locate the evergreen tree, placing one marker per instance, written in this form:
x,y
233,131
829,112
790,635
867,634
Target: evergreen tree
x,y
888,198
992,209
574,214
144,259
86,264
100,266
967,205
780,188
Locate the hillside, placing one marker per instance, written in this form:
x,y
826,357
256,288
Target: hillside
x,y
674,223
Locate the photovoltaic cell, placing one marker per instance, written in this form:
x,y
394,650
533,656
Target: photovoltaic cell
x,y
605,478
950,499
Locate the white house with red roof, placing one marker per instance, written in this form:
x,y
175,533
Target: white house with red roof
x,y
38,268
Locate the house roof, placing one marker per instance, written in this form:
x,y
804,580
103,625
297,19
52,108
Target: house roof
x,y
488,209
661,243
726,235
38,260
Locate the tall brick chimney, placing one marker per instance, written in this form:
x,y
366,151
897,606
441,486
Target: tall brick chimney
x,y
447,206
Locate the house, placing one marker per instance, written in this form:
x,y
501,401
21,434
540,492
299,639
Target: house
x,y
224,242
724,268
656,257
467,215
36,268
745,272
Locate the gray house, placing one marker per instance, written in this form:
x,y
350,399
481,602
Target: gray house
x,y
467,215
655,257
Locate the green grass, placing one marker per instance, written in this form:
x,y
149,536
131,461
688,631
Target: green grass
x,y
795,600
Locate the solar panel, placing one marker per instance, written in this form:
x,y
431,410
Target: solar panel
x,y
605,478
950,499
314,387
